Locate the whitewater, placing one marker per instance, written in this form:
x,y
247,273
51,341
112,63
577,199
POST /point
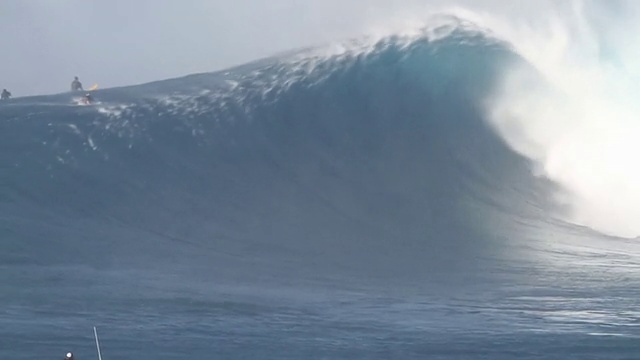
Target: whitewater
x,y
448,192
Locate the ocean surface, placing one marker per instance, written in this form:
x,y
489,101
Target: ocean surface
x,y
356,203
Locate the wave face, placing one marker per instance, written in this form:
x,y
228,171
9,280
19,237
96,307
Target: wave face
x,y
376,161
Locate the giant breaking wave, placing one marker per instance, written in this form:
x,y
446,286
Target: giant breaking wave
x,y
370,163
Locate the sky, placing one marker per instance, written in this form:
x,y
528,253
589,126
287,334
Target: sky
x,y
45,43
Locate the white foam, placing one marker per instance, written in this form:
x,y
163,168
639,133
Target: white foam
x,y
582,128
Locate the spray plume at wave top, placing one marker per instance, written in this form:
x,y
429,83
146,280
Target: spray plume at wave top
x,y
581,122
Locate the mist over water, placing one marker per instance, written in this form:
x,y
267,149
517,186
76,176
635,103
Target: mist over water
x,y
580,121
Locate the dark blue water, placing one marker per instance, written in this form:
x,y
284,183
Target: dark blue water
x,y
346,206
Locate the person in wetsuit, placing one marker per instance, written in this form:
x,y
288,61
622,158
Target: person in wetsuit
x,y
5,95
76,85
